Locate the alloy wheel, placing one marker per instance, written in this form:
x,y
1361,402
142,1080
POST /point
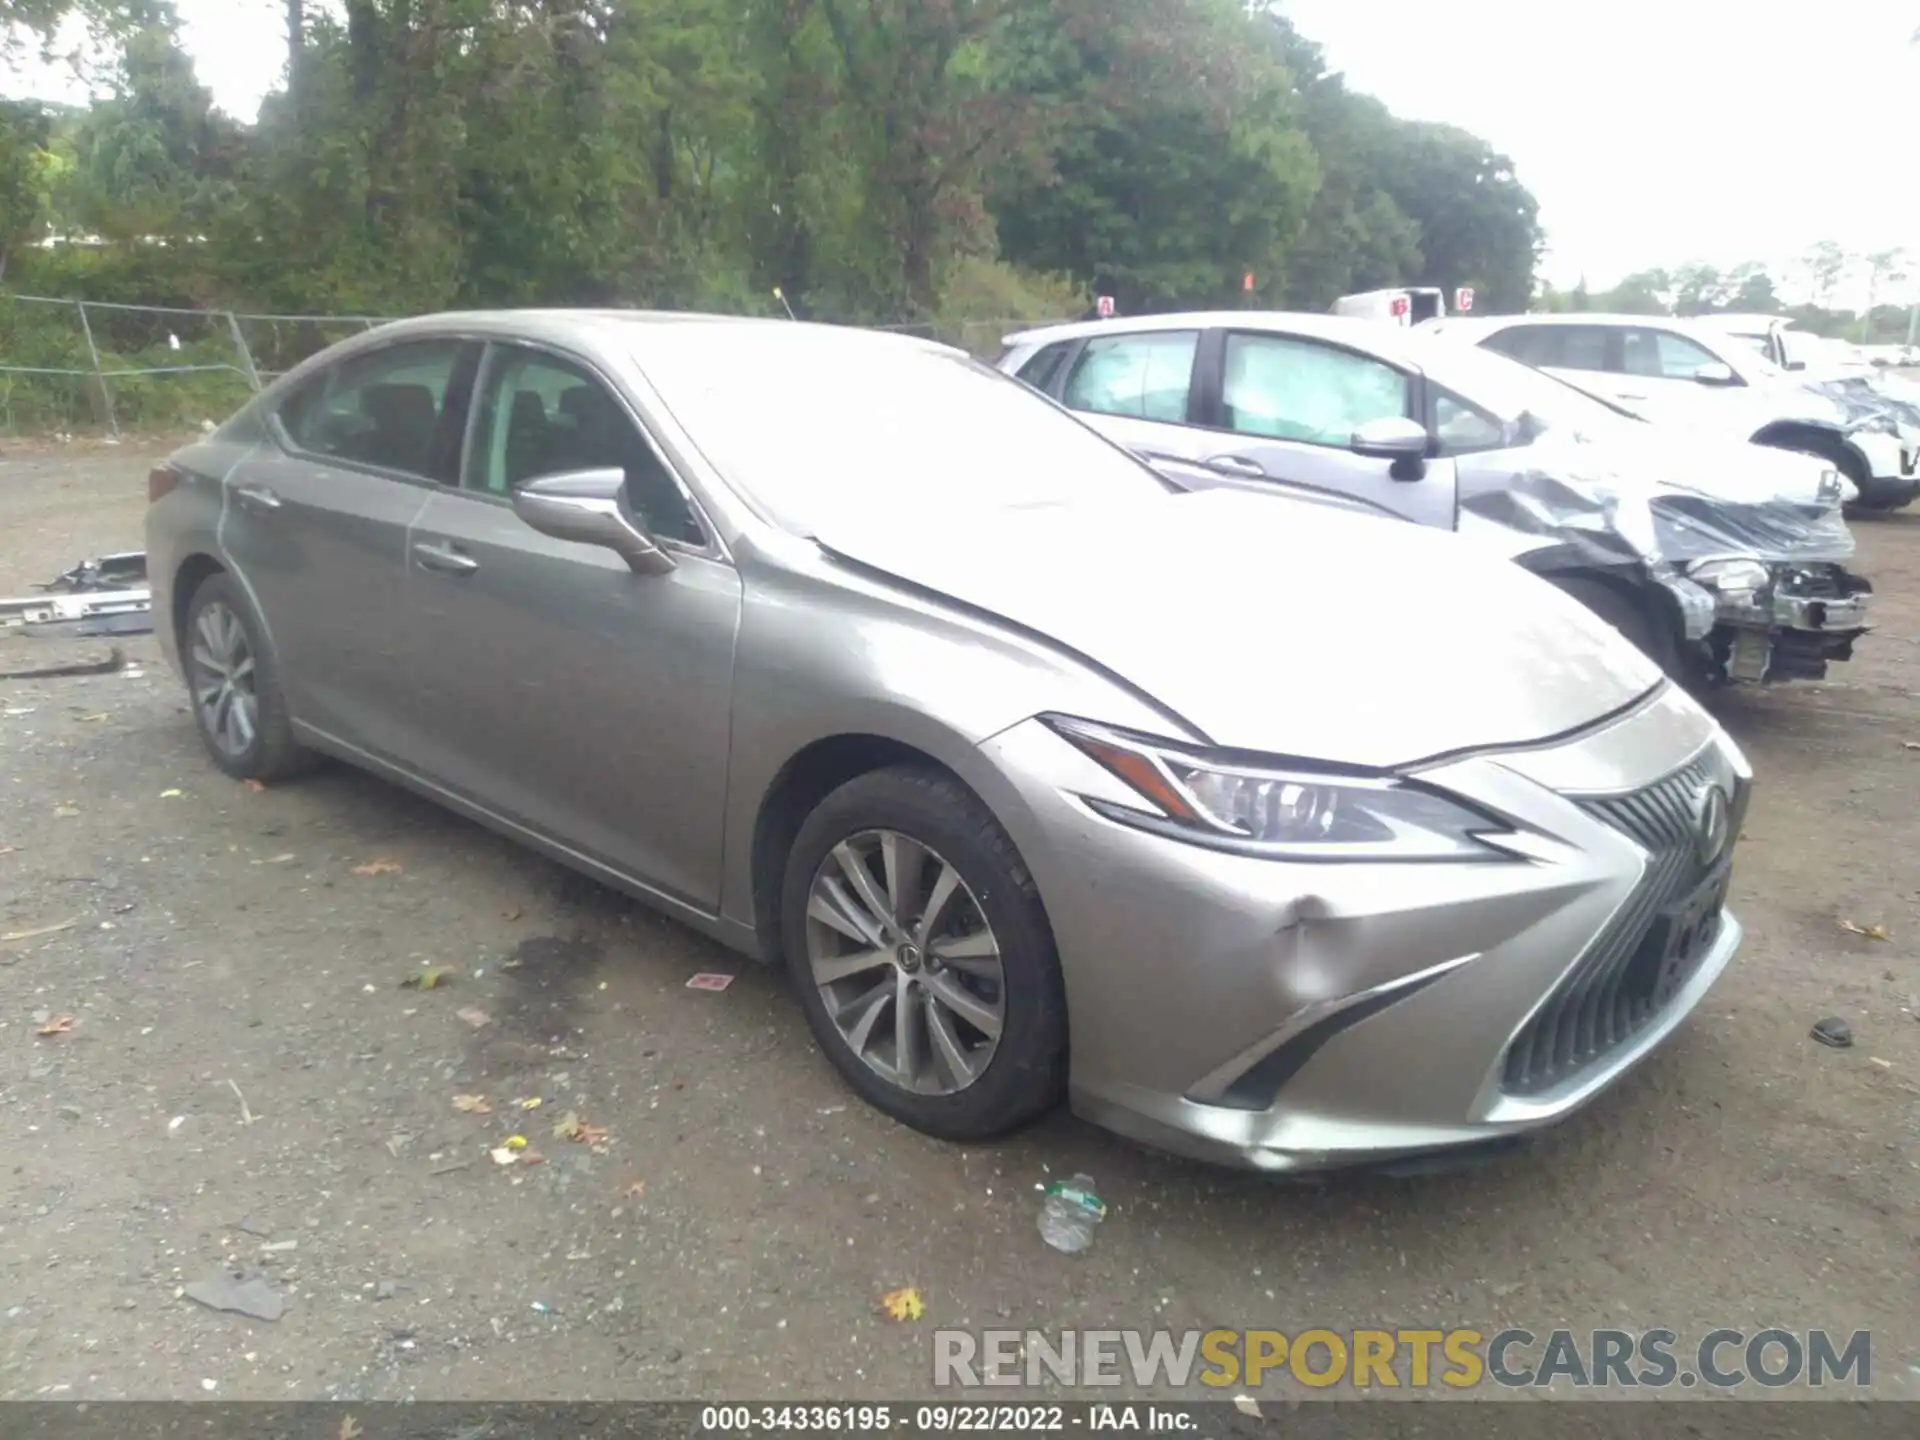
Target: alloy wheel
x,y
906,963
224,671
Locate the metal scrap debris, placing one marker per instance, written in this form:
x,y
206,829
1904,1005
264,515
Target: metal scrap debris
x,y
106,595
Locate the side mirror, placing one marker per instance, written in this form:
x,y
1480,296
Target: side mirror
x,y
584,505
1716,373
1394,438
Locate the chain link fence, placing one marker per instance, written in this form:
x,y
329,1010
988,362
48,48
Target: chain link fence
x,y
93,366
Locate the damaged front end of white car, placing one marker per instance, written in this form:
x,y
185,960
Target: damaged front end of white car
x,y
1750,549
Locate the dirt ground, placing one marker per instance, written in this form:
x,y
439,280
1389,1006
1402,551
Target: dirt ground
x,y
246,1086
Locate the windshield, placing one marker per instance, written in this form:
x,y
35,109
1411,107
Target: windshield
x,y
1511,390
811,424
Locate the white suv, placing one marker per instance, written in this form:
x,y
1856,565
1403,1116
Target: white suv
x,y
1683,372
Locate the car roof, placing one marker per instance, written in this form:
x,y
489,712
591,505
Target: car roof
x,y
643,328
1491,323
1384,340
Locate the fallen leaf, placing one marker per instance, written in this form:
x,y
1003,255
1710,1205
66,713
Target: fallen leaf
x,y
66,812
514,1142
636,1189
532,1157
1871,932
37,932
382,866
903,1304
171,794
349,1428
502,1155
567,1127
254,785
473,1015
532,1102
473,1104
426,979
513,914
595,1135
59,1025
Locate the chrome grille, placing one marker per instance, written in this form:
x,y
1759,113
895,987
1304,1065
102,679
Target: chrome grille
x,y
1620,983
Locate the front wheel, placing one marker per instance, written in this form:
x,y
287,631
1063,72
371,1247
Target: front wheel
x,y
923,958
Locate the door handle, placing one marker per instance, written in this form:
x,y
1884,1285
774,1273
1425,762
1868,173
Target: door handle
x,y
257,497
444,559
1237,465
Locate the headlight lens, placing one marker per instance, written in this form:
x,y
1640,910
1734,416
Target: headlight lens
x,y
1729,576
1283,813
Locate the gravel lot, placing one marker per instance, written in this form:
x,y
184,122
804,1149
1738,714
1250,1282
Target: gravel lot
x,y
245,1085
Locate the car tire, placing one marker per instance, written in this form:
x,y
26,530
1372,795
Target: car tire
x,y
949,991
1650,633
233,686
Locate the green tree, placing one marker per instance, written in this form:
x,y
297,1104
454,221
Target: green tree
x,y
1645,292
155,159
28,170
1753,292
1826,265
1356,237
1699,290
1174,164
1479,226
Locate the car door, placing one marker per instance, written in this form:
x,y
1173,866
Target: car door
x,y
565,692
1135,387
1654,373
1579,354
1281,408
315,526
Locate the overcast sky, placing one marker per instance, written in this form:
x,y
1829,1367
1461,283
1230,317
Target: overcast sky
x,y
1653,131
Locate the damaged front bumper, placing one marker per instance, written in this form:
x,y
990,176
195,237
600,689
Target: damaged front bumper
x,y
1783,621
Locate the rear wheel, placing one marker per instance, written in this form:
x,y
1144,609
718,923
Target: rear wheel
x,y
238,704
923,958
1651,633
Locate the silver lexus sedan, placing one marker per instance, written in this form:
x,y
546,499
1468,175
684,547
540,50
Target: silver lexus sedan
x,y
1040,778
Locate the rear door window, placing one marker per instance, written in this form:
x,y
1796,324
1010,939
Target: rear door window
x,y
401,408
1563,347
1043,367
1144,376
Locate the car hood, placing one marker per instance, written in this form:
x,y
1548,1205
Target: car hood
x,y
1672,495
1288,629
1704,464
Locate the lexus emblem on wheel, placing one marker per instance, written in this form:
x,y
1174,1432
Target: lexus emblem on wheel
x,y
1711,821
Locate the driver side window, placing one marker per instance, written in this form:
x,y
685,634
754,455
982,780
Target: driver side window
x,y
1288,389
542,415
1464,429
1662,353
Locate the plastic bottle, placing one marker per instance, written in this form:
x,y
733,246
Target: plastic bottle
x,y
1071,1211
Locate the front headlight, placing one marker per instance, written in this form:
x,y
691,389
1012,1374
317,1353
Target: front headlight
x,y
1284,813
1730,576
